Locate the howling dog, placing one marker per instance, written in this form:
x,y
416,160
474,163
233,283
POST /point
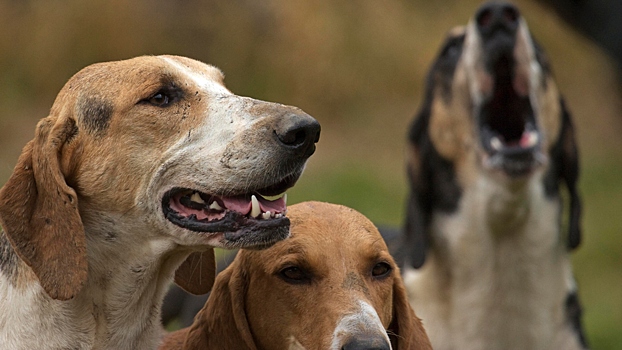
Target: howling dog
x,y
486,256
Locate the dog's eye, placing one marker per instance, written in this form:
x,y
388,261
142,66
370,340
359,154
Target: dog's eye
x,y
164,97
160,99
381,269
294,275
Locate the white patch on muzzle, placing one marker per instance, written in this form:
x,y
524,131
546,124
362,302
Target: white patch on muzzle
x,y
363,321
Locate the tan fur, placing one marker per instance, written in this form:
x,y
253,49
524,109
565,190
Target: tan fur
x,y
82,210
251,307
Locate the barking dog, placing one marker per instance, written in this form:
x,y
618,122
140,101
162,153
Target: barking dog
x,y
141,167
487,257
332,285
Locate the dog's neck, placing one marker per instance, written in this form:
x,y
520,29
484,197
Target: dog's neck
x,y
496,229
118,307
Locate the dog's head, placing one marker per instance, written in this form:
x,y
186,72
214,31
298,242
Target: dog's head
x,y
491,107
152,146
331,285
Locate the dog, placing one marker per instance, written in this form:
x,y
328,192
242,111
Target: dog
x,y
485,255
331,285
141,167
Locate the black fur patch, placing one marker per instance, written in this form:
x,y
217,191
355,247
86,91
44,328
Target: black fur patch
x,y
8,258
442,72
95,113
564,167
433,188
574,314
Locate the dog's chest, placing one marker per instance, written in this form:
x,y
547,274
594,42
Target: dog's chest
x,y
496,276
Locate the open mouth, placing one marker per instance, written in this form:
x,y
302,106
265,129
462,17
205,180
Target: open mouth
x,y
508,129
260,209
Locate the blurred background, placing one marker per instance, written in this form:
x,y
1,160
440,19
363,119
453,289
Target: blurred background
x,y
358,67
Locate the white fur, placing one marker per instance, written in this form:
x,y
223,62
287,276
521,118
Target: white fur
x,y
499,277
362,320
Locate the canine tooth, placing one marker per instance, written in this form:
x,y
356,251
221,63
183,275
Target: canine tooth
x,y
278,215
272,198
533,138
496,143
255,209
285,198
197,198
266,215
215,206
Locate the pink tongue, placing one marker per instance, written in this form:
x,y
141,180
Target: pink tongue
x,y
524,140
239,204
276,206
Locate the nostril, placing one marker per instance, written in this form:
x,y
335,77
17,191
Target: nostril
x,y
484,17
510,14
367,342
497,15
298,132
293,137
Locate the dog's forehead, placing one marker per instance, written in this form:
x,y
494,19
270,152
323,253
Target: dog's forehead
x,y
333,227
134,75
203,75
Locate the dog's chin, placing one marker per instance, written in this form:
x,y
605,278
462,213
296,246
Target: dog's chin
x,y
514,163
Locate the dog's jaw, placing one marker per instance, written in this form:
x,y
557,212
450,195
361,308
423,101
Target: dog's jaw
x,y
505,76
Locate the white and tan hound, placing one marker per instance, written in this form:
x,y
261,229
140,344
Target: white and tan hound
x,y
487,257
141,167
331,286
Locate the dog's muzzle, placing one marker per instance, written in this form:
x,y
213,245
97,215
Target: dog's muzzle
x,y
253,215
509,130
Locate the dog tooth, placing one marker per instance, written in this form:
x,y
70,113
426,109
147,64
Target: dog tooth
x,y
533,138
197,198
255,209
266,215
278,215
284,198
496,143
215,206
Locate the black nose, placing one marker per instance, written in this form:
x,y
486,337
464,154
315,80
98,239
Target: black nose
x,y
367,343
495,16
298,133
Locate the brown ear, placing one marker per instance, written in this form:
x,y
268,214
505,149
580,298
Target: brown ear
x,y
406,330
222,323
196,274
39,212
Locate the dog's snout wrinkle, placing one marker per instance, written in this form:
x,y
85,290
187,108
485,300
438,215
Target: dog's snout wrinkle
x,y
298,133
495,16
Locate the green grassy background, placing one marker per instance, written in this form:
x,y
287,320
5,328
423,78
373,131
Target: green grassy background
x,y
357,66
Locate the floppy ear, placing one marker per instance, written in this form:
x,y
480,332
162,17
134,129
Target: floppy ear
x,y
568,165
39,212
222,323
406,330
196,274
415,233
433,186
415,243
